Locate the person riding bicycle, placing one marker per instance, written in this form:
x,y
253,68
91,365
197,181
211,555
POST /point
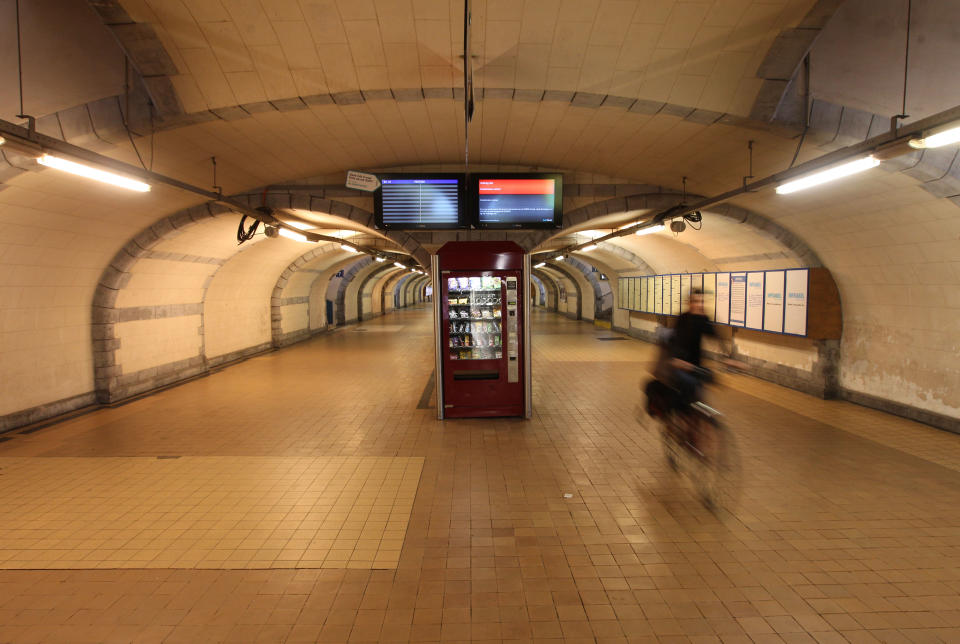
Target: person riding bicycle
x,y
684,350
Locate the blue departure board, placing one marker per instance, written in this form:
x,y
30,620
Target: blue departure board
x,y
419,202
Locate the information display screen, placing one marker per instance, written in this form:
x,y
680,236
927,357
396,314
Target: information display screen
x,y
518,201
419,201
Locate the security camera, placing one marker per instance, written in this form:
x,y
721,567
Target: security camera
x,y
271,231
678,225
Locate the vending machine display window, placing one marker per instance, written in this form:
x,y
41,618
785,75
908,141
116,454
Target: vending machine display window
x,y
474,318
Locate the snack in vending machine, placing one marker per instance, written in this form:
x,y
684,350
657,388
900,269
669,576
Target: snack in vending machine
x,y
452,284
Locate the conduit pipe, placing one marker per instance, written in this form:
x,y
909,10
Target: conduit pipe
x,y
31,142
888,145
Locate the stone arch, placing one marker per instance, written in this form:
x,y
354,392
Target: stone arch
x,y
277,301
552,290
348,276
602,297
568,273
540,290
662,201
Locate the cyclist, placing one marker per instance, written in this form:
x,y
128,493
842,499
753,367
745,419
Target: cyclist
x,y
684,349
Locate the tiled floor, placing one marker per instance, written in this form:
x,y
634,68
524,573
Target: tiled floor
x,y
847,529
205,512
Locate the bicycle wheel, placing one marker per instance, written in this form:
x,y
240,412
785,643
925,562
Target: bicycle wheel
x,y
672,447
717,475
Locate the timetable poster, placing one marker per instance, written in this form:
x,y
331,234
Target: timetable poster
x,y
630,286
685,281
667,285
738,299
723,298
635,300
643,294
658,294
696,281
754,318
773,302
710,296
795,311
675,301
650,293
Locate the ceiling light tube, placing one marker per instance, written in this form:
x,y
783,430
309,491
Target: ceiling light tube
x,y
830,174
558,257
347,248
379,259
96,174
292,234
399,265
937,139
2,140
540,265
651,229
588,248
300,225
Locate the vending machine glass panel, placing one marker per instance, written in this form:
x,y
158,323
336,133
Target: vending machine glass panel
x,y
474,318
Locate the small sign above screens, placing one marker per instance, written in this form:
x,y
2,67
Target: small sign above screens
x,y
437,201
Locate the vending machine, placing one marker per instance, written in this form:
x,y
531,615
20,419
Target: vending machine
x,y
482,330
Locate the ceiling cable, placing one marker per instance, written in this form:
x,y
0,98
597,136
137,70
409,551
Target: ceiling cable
x,y
19,59
895,119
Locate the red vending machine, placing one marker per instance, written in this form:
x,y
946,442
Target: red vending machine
x,y
482,330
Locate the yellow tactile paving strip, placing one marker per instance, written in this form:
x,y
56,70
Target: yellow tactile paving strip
x,y
205,512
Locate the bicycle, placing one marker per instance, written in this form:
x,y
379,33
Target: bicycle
x,y
696,440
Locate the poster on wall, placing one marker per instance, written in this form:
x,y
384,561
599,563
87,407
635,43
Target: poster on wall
x,y
667,286
685,282
773,302
650,293
675,295
643,294
632,286
635,298
658,294
738,299
696,281
795,310
709,284
754,319
723,298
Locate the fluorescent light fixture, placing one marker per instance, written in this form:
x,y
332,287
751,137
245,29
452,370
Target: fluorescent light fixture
x,y
350,249
540,265
399,265
292,234
938,139
651,229
2,140
558,257
588,248
93,173
379,259
830,174
301,225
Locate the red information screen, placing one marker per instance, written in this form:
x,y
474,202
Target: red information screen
x,y
517,186
516,201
